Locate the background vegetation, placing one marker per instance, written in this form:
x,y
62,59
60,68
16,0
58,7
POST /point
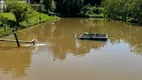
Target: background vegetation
x,y
125,10
20,15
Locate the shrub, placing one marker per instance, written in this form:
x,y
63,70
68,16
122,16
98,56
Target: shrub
x,y
35,18
123,10
87,10
20,10
3,20
132,20
38,7
135,9
91,11
69,7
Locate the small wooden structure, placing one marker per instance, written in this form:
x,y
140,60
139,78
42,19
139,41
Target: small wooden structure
x,y
99,37
20,41
33,41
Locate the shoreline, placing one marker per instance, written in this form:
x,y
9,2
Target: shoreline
x,y
56,18
52,18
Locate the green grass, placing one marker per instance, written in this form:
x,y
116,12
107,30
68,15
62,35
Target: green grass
x,y
34,18
10,16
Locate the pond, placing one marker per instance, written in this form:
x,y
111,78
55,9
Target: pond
x,y
58,55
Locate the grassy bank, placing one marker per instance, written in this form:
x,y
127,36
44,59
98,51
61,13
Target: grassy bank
x,y
8,21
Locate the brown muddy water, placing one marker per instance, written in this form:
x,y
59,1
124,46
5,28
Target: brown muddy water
x,y
58,55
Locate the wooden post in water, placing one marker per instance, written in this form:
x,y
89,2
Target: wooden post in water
x,y
15,35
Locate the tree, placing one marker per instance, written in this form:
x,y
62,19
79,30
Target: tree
x,y
18,8
93,2
35,1
135,9
47,4
116,9
69,7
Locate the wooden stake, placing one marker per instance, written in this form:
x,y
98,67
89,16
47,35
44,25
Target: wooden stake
x,y
15,35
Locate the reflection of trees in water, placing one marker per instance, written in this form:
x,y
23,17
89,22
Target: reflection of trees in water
x,y
119,31
62,50
15,61
65,41
61,33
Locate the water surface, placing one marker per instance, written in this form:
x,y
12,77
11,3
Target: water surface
x,y
60,56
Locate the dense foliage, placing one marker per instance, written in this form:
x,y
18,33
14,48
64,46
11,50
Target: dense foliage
x,y
71,8
20,15
29,14
19,9
127,10
24,13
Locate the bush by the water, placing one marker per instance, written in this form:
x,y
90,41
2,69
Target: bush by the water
x,y
91,11
5,22
20,15
127,10
36,18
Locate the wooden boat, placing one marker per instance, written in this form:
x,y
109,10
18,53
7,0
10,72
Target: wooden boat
x,y
99,37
